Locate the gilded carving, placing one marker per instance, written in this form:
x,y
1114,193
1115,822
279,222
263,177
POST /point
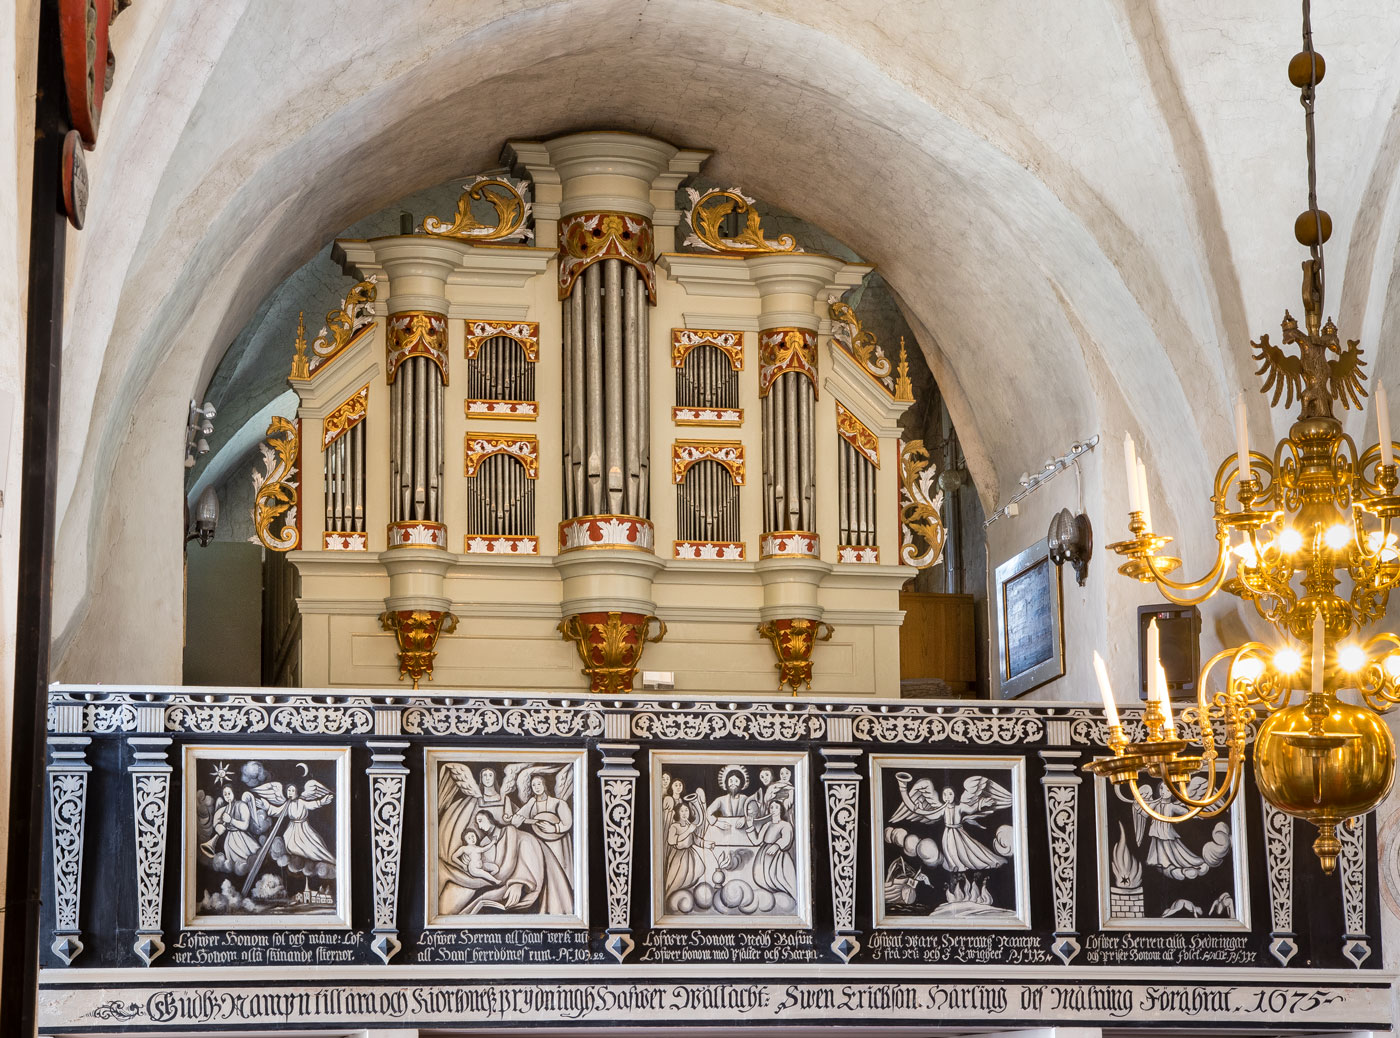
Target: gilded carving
x,y
854,432
729,453
793,641
610,646
417,632
921,528
416,333
506,195
731,344
706,215
525,449
342,326
301,364
526,333
345,417
586,238
275,493
781,350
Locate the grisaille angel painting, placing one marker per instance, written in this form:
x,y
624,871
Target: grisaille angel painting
x,y
1183,875
265,833
949,849
505,838
729,836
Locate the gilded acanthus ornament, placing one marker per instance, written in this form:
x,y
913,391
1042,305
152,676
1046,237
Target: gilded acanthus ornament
x,y
705,218
920,525
274,491
862,347
610,646
793,641
417,632
781,350
730,343
525,449
729,453
587,238
855,432
507,196
416,333
342,325
345,417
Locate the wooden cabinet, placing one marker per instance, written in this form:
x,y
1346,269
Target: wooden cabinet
x,y
938,640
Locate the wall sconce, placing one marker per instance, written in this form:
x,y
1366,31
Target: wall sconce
x,y
198,427
1071,539
206,518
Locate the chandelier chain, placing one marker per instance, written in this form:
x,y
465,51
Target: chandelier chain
x,y
1309,94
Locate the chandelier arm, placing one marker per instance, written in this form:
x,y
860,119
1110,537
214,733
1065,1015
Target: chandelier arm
x,y
1156,815
1214,793
1211,581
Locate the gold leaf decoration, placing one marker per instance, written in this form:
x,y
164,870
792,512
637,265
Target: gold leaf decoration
x,y
507,196
274,491
706,219
921,528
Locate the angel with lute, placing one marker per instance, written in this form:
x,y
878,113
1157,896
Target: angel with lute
x,y
980,797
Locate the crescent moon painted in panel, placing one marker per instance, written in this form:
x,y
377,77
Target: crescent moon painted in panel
x,y
303,769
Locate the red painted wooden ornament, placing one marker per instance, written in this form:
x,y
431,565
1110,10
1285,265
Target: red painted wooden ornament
x,y
75,179
82,28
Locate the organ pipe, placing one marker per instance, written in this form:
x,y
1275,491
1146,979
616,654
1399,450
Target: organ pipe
x,y
416,447
606,400
789,462
856,490
345,482
707,504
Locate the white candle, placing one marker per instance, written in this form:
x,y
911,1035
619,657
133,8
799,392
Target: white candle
x,y
1383,421
1130,462
1110,708
1164,697
1144,499
1153,651
1242,438
1319,653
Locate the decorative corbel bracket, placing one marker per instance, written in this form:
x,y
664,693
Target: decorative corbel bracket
x,y
417,632
610,645
793,641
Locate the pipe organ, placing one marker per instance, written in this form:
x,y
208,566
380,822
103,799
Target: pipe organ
x,y
555,541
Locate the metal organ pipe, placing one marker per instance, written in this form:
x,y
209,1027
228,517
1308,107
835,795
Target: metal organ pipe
x,y
614,355
597,497
631,394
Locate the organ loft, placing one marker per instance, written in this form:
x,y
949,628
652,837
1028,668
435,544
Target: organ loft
x,y
588,422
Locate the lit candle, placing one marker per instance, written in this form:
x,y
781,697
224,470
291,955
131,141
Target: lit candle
x,y
1383,421
1144,500
1242,438
1110,708
1164,697
1130,461
1319,653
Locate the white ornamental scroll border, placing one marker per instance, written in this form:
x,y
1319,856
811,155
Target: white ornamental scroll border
x,y
150,787
1061,783
617,780
68,781
388,779
1356,945
1278,854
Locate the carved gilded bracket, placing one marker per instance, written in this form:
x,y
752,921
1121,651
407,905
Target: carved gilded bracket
x,y
417,631
793,641
610,645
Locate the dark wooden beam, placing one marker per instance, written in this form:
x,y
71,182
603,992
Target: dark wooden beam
x,y
19,977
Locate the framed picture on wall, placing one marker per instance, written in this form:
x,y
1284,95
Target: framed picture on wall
x,y
1179,639
1030,636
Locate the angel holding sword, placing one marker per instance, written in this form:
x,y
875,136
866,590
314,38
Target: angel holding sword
x,y
302,849
981,796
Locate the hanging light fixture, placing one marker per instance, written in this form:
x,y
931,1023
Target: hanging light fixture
x,y
1292,528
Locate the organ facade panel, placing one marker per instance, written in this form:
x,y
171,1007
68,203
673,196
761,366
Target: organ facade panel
x,y
650,428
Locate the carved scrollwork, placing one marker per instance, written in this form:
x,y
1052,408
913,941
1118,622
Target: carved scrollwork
x,y
1061,809
275,493
355,314
386,819
618,796
706,215
68,781
510,198
548,720
1352,861
1278,852
921,533
451,720
981,729
151,805
841,815
215,719
322,720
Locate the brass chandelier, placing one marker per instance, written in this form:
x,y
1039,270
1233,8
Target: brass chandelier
x,y
1292,528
